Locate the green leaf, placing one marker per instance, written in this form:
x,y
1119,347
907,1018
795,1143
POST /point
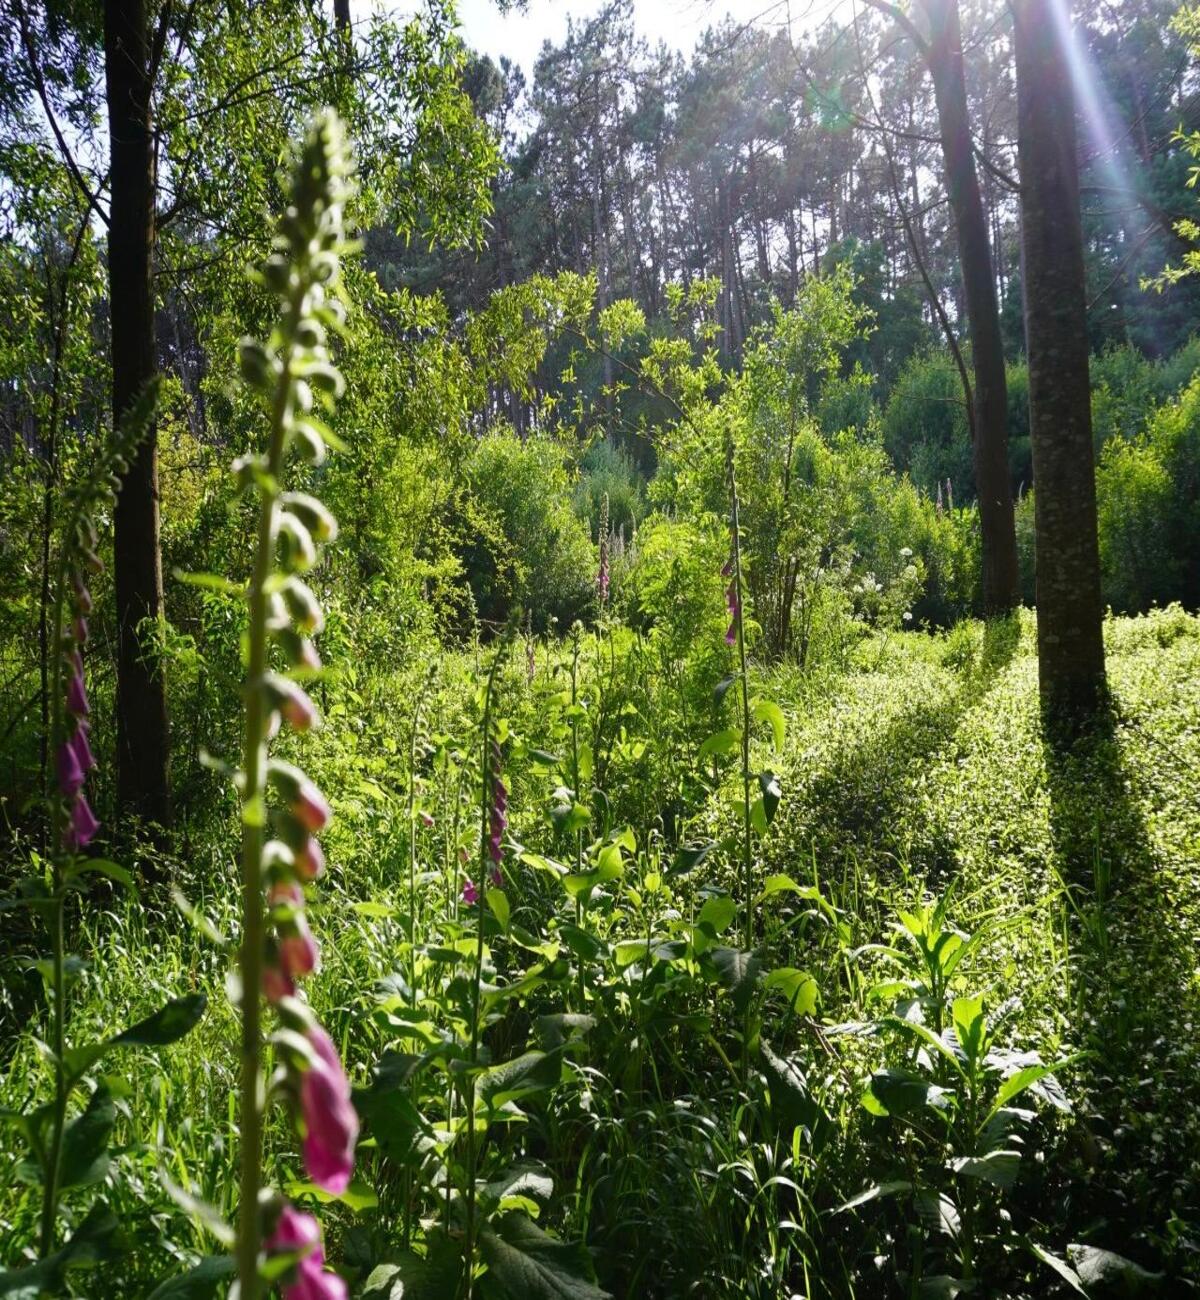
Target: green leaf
x,y
901,1092
998,1167
797,986
1105,1268
717,913
85,1142
722,686
1060,1266
562,1027
529,1264
202,1282
92,1242
877,1192
410,1277
720,743
525,1074
738,972
1030,1077
769,711
792,1102
167,1025
768,783
208,1216
497,900
970,1026
374,910
359,1196
101,867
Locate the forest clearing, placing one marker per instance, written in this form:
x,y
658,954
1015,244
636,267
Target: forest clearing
x,y
599,651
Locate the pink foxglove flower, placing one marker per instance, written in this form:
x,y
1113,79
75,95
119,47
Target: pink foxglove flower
x,y
733,604
297,1232
70,772
77,701
276,985
310,859
330,1120
310,807
470,895
425,819
83,751
497,878
83,827
298,953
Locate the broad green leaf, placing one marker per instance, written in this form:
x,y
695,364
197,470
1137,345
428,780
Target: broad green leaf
x,y
768,783
202,1282
971,1027
717,913
85,1142
797,986
372,909
999,1168
1060,1266
497,900
901,1092
563,1026
1097,1267
879,1191
739,972
526,1074
792,1102
529,1264
411,1277
359,1196
720,743
170,1023
770,712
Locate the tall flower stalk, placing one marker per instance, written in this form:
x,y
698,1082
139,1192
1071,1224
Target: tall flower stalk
x,y
277,948
736,635
493,804
72,823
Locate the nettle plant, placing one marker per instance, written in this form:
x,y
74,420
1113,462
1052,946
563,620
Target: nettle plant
x,y
69,1153
952,1129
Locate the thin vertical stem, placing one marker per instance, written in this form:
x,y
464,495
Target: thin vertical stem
x,y
747,854
254,765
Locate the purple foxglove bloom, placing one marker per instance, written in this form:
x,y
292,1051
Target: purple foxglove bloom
x,y
727,568
83,597
310,808
298,953
330,1121
83,751
497,878
77,701
425,819
70,773
79,629
470,895
276,985
296,1232
310,859
82,830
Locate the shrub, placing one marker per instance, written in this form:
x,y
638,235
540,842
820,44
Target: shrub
x,y
525,544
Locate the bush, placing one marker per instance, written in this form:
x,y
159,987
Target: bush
x,y
1148,499
607,470
524,544
925,425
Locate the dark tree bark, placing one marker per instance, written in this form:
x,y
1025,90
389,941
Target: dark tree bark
x,y
1069,610
341,15
1000,578
142,738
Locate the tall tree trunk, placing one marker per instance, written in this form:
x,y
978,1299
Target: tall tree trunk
x,y
1069,611
341,15
142,738
1001,583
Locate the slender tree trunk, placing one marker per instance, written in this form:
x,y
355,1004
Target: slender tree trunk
x,y
1001,583
142,738
341,15
1069,610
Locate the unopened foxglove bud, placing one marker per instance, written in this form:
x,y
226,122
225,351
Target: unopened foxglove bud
x,y
308,440
304,801
312,514
283,694
297,551
300,651
302,605
256,364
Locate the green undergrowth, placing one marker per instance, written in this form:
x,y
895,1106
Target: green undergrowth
x,y
702,1139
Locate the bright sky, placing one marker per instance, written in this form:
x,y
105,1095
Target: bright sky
x,y
679,23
